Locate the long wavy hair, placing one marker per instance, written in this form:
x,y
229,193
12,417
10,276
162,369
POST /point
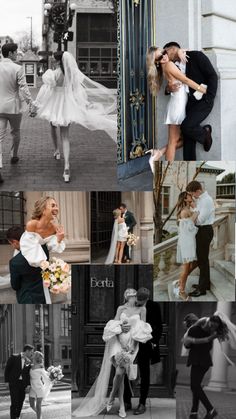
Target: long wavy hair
x,y
58,57
39,207
154,71
181,203
222,328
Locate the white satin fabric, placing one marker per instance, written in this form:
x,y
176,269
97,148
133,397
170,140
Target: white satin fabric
x,y
176,107
40,383
186,245
73,97
95,401
31,249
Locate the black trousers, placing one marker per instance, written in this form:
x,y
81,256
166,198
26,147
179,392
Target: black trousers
x,y
196,112
203,239
144,369
17,393
197,374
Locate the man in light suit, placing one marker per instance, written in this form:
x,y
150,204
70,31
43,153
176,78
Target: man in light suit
x,y
13,90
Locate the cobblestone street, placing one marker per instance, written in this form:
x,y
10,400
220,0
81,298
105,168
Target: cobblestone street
x,y
92,161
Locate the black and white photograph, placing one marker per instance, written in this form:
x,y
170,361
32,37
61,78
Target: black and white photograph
x,y
35,361
41,235
58,88
194,238
123,345
121,227
205,360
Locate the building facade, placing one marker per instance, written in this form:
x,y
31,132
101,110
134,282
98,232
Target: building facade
x,y
46,327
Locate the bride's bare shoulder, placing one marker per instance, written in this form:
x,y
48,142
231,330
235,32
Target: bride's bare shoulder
x,y
31,226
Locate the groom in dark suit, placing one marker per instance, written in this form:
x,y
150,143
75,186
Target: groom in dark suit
x,y
26,280
149,352
17,375
200,70
131,223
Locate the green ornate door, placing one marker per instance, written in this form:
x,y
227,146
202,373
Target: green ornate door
x,y
135,106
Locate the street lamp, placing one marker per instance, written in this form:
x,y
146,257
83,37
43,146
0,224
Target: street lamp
x,y
31,32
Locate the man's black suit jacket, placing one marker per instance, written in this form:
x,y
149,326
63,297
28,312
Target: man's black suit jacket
x,y
200,70
26,280
199,355
14,370
130,221
154,318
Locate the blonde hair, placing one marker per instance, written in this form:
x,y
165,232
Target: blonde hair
x,y
154,72
116,213
130,292
38,357
39,207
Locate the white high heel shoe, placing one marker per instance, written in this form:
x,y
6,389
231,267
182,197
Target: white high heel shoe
x,y
109,405
155,156
122,413
66,175
57,155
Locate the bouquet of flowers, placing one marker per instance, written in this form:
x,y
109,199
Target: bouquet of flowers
x,y
56,276
55,373
132,239
123,358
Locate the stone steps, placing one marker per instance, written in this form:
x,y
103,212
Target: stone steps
x,y
221,287
191,280
226,268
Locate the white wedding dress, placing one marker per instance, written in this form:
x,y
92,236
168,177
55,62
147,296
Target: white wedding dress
x,y
40,383
176,107
74,98
186,245
31,248
119,233
140,331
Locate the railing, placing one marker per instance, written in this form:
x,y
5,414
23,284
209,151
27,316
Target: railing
x,y
225,190
165,267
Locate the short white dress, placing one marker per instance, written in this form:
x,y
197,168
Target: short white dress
x,y
186,245
176,107
40,383
122,232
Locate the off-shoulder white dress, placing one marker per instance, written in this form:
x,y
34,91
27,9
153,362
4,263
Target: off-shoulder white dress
x,y
31,248
40,383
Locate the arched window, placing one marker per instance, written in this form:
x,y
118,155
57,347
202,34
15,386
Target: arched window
x,y
12,211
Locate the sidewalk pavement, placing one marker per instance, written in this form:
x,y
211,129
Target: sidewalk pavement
x,y
224,403
141,182
156,409
57,405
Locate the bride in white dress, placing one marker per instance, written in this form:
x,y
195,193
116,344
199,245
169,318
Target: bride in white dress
x,y
42,229
40,384
118,239
120,351
186,245
158,67
68,96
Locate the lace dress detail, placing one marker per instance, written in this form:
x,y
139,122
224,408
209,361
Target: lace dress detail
x,y
186,246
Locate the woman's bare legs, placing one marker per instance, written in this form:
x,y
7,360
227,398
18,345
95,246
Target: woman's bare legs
x,y
117,252
55,141
121,398
39,408
117,380
173,139
66,151
32,403
121,252
183,279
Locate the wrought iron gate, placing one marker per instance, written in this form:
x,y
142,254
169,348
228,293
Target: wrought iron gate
x,y
136,23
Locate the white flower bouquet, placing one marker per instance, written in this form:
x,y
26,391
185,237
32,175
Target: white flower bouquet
x,y
56,276
55,373
132,239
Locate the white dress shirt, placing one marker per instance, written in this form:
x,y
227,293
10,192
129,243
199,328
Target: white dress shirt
x,y
205,207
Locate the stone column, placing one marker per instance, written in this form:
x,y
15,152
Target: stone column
x,y
75,217
218,379
146,227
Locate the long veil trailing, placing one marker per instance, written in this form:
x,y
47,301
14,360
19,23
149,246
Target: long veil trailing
x,y
95,400
112,251
97,101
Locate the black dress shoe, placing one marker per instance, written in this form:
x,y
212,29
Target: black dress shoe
x,y
14,160
208,138
193,416
195,286
211,415
128,406
1,179
140,409
197,293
